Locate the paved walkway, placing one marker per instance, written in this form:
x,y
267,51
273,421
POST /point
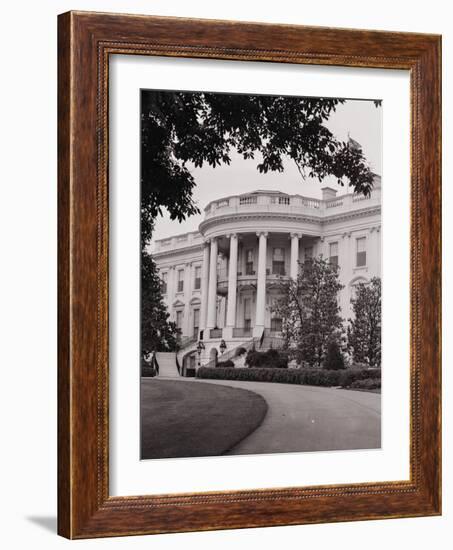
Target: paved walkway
x,y
308,418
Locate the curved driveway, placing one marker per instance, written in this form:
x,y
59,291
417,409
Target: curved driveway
x,y
308,418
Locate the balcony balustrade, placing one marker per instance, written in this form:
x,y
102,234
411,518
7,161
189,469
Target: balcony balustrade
x,y
272,202
263,202
273,279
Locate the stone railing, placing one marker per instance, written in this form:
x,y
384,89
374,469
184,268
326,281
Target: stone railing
x,y
291,204
263,202
272,279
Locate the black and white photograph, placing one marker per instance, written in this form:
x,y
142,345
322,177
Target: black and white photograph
x,y
260,274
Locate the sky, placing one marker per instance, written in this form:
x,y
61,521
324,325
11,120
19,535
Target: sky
x,y
359,119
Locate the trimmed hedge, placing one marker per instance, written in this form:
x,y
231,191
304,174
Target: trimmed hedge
x,y
367,384
225,364
148,371
310,376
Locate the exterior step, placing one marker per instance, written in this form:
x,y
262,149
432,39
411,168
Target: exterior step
x,y
167,364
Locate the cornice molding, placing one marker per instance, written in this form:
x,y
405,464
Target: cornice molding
x,y
318,220
172,251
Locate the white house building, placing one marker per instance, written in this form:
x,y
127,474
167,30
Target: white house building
x,y
219,282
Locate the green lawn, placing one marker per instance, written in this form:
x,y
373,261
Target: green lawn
x,y
187,418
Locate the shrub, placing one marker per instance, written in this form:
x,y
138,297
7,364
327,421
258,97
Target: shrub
x,y
225,364
240,351
367,384
334,358
271,358
309,376
147,370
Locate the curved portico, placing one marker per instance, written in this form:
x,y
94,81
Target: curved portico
x,y
258,237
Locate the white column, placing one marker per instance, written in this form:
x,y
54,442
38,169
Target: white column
x,y
187,297
347,263
232,286
212,291
294,269
261,285
373,252
204,286
171,291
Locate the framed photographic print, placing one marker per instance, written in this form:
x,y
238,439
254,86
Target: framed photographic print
x,y
249,275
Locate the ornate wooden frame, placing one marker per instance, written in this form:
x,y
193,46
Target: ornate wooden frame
x,y
85,42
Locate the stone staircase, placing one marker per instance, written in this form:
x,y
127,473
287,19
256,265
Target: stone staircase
x,y
167,364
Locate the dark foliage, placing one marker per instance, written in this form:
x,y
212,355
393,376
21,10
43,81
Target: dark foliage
x,y
157,332
310,310
147,369
334,358
364,330
271,358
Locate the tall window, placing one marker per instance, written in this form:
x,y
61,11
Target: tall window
x,y
249,262
333,253
180,280
308,253
247,313
197,283
276,324
179,316
196,322
278,261
163,282
361,252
